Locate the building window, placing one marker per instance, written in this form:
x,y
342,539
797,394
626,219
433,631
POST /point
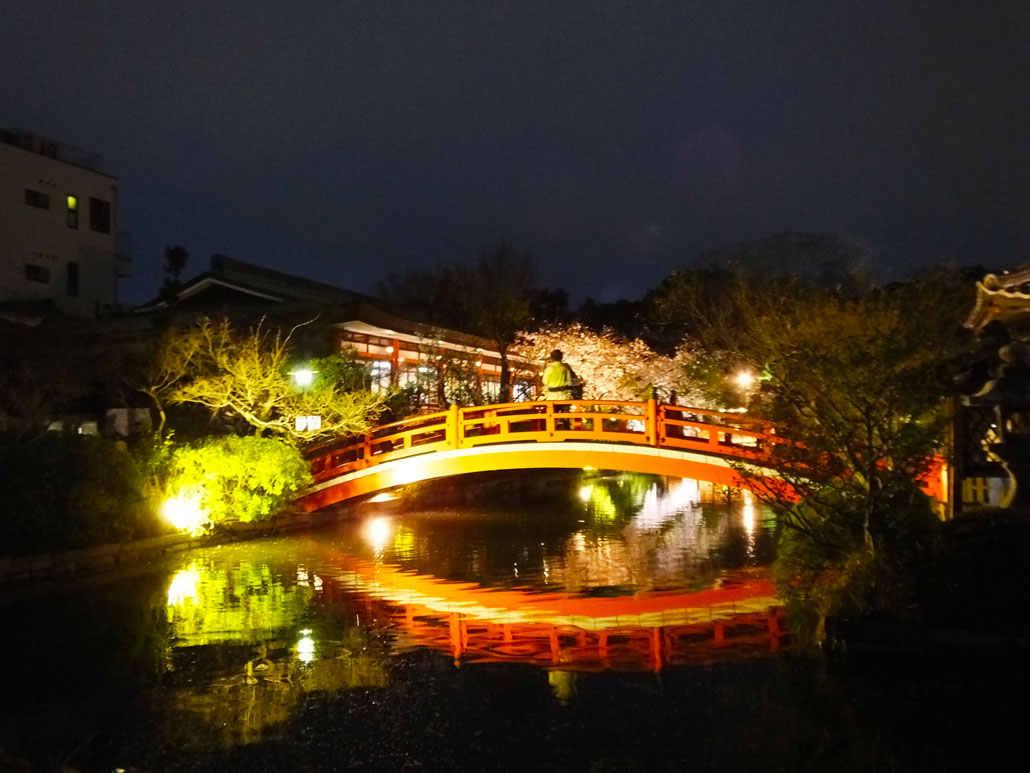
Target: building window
x,y
37,199
73,212
73,280
99,215
37,273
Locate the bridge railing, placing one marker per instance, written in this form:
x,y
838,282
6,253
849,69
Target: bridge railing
x,y
607,421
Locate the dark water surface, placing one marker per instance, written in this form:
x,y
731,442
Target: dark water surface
x,y
626,626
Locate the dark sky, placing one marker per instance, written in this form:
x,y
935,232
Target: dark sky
x,y
613,140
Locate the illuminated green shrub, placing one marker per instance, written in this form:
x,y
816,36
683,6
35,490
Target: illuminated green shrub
x,y
238,478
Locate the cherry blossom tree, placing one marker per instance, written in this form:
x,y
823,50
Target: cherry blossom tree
x,y
611,367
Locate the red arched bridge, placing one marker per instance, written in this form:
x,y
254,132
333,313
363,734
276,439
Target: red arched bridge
x,y
648,437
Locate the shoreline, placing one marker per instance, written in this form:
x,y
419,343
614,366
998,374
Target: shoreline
x,y
21,573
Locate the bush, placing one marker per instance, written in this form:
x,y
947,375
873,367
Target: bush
x,y
67,491
238,478
829,565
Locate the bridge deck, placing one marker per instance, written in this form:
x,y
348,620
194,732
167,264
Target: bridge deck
x,y
607,434
591,433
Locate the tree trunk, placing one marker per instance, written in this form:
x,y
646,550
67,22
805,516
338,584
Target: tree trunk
x,y
505,393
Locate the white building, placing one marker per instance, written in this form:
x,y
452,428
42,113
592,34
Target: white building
x,y
59,239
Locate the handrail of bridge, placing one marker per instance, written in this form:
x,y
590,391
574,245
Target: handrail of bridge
x,y
650,423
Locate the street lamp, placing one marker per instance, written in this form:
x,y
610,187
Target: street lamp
x,y
744,379
303,377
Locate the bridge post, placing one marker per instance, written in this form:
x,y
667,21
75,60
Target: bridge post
x,y
453,428
651,422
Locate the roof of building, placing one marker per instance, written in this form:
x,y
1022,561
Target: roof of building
x,y
235,286
230,280
1003,297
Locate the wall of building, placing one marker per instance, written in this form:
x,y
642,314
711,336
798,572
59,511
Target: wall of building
x,y
53,247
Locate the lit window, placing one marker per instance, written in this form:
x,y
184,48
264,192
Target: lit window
x,y
73,212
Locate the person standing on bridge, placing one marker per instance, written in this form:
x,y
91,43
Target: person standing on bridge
x,y
560,383
559,380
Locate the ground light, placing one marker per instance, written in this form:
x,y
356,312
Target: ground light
x,y
184,513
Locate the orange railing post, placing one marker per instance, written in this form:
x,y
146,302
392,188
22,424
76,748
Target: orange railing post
x,y
453,431
651,422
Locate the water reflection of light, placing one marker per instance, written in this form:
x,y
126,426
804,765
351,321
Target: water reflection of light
x,y
749,521
601,504
564,684
306,647
385,496
378,532
183,586
586,491
404,543
659,507
308,579
749,513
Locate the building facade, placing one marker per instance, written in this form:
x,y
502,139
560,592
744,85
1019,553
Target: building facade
x,y
59,237
436,366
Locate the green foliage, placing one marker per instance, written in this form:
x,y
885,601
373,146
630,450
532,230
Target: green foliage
x,y
67,491
837,558
345,371
238,478
858,375
243,378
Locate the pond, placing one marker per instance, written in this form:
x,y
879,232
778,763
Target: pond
x,y
603,622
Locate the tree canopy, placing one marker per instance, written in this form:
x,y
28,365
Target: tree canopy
x,y
855,373
491,297
611,367
251,375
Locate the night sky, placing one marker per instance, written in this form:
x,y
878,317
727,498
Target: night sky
x,y
615,141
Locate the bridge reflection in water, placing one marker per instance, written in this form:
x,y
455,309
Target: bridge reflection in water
x,y
643,631
635,575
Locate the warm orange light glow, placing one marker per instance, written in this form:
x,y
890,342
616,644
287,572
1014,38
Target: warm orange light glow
x,y
378,532
745,379
749,513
